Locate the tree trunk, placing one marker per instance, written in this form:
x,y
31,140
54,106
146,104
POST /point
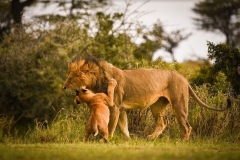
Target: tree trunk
x,y
17,9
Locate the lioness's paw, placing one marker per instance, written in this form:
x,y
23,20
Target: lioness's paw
x,y
113,82
102,140
151,137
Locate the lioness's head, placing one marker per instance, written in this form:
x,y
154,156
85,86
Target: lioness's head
x,y
86,71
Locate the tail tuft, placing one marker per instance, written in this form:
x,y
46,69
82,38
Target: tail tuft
x,y
229,102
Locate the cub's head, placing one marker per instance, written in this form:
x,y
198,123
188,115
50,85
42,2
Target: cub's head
x,y
86,71
83,95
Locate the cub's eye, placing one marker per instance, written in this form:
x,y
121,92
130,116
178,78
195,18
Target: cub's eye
x,y
84,90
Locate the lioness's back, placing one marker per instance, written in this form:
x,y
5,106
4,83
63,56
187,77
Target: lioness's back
x,y
149,80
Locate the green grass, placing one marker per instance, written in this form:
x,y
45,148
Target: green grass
x,y
135,149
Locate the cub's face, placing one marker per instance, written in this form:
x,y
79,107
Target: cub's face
x,y
83,95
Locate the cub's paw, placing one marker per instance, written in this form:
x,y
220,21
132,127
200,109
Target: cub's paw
x,y
113,82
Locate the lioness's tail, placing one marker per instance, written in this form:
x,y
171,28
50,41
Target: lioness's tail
x,y
195,97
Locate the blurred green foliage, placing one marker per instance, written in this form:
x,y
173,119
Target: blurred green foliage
x,y
31,76
223,72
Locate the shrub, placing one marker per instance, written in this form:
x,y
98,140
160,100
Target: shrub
x,y
212,124
226,61
30,77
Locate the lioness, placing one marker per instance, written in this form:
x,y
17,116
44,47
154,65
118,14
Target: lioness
x,y
99,111
136,89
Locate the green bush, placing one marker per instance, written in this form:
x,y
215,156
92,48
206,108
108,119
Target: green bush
x,y
213,124
30,77
226,60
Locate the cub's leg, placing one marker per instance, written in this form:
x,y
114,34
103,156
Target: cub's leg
x,y
158,110
105,138
104,131
180,108
91,127
87,134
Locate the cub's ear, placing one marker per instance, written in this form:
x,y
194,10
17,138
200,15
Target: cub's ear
x,y
84,89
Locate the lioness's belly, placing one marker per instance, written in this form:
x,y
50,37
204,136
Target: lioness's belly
x,y
140,102
143,87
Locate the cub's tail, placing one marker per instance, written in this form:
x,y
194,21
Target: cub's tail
x,y
195,97
95,128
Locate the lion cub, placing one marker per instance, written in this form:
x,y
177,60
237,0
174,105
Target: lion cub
x,y
99,111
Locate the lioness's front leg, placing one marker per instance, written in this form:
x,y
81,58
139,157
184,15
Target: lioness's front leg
x,y
114,110
117,116
120,118
123,123
114,116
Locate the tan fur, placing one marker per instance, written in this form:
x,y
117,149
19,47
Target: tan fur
x,y
99,111
136,89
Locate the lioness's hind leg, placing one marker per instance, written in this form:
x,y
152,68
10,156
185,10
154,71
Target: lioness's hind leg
x,y
185,128
181,113
158,111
